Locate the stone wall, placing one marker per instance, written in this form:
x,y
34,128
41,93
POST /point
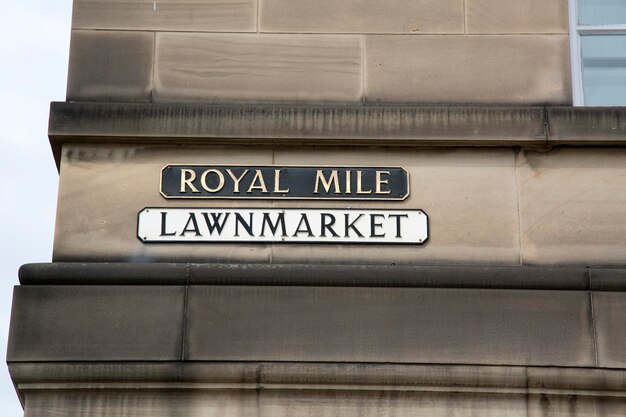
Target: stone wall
x,y
513,306
501,186
337,51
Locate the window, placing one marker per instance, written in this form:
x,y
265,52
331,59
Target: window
x,y
598,52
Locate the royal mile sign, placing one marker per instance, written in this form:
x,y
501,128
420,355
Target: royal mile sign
x,y
282,225
284,182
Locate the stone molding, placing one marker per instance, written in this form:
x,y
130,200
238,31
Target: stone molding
x,y
410,276
318,376
93,337
567,317
100,387
345,125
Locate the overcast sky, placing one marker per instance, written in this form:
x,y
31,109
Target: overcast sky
x,y
34,45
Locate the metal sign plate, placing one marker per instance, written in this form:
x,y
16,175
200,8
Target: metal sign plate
x,y
284,182
197,225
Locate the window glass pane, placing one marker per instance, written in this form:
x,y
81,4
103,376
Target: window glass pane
x,y
601,12
604,69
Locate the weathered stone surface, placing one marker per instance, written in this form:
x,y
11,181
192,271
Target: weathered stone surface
x,y
142,403
547,405
314,68
312,274
248,403
587,125
384,403
168,15
344,125
571,380
340,125
610,321
358,16
97,217
405,325
514,16
110,66
103,273
235,403
325,376
607,279
451,185
310,389
510,69
96,323
573,206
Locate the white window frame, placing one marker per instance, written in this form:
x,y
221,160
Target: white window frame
x,y
575,31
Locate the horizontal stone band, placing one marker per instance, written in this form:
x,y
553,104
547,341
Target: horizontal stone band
x,y
504,277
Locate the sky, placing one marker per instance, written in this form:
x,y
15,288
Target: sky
x,y
34,46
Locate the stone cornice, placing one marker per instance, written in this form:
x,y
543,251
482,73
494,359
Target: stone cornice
x,y
410,276
289,125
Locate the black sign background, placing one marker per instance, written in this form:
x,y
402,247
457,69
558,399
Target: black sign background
x,y
299,180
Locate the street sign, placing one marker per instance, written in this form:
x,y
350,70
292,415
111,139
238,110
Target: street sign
x,y
198,225
284,182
